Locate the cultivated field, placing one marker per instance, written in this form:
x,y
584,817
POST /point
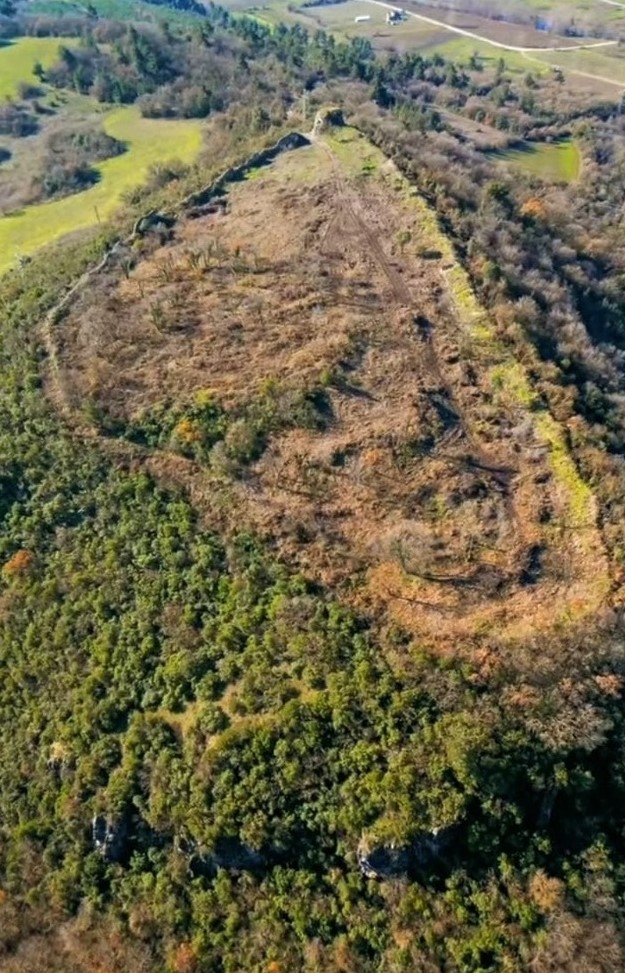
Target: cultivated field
x,y
498,31
406,445
149,141
608,64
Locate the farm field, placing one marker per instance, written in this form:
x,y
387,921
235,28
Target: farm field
x,y
18,58
555,162
149,141
460,49
598,71
114,9
587,14
502,32
341,20
414,34
275,12
410,34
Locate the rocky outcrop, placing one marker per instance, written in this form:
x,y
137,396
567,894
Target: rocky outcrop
x,y
109,836
152,220
231,854
383,861
392,860
328,118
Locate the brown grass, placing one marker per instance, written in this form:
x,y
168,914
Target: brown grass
x,y
428,484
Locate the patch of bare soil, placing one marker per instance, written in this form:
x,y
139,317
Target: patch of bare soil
x,y
422,495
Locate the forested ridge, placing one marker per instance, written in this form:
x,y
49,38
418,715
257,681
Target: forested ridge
x,y
212,761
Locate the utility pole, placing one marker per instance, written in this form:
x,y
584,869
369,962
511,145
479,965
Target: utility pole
x,y
304,106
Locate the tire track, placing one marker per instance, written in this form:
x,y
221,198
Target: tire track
x,y
476,459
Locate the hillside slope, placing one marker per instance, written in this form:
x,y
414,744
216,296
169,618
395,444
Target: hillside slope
x,y
311,650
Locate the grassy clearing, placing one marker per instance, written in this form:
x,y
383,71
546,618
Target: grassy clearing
x,y
272,13
149,141
460,49
607,62
340,19
555,161
18,58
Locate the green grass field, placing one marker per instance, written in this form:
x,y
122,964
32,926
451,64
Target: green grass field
x,y
115,9
149,141
554,161
460,49
607,62
18,58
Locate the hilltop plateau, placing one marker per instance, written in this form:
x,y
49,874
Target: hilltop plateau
x,y
312,343
312,491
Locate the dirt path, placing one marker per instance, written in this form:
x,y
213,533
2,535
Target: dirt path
x,y
349,210
486,40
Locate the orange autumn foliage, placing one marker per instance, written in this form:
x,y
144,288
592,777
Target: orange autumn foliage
x,y
18,563
609,684
185,959
533,208
187,431
545,891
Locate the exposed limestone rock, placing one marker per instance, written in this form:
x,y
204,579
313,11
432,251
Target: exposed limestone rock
x,y
109,836
391,860
327,118
230,854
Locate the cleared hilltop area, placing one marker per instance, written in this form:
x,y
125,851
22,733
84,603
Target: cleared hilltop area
x,y
312,492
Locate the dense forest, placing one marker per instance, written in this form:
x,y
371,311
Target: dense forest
x,y
208,760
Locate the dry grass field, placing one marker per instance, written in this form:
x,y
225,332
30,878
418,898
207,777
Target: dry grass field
x,y
410,34
517,35
435,474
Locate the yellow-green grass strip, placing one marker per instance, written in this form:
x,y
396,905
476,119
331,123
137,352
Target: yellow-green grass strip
x,y
149,141
554,161
18,58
